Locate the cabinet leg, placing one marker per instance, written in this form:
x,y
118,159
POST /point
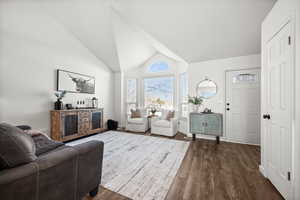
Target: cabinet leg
x,y
218,139
194,137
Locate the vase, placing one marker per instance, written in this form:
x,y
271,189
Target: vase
x,y
196,108
58,105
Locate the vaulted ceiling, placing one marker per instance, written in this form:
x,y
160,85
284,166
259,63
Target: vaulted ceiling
x,y
124,34
199,30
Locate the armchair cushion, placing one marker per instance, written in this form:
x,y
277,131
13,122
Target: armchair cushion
x,y
136,113
170,115
136,120
16,147
162,123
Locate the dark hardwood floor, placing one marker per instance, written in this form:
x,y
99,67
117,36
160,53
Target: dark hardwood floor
x,y
215,172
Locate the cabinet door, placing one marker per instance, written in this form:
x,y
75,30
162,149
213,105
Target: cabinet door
x,y
197,124
69,123
213,124
96,120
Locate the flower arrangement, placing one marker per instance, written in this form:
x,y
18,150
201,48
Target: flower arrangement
x,y
195,100
60,95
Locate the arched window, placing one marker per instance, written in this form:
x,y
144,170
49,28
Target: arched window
x,y
159,66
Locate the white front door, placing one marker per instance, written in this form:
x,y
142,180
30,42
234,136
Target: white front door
x,y
279,78
243,106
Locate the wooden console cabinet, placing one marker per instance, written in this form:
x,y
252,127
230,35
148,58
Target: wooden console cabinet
x,y
71,124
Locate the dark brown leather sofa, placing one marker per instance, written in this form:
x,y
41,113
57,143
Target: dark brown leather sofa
x,y
64,173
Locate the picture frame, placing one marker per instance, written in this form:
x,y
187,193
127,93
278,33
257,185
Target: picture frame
x,y
75,82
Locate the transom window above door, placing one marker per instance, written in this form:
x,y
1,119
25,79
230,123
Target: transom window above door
x,y
159,66
159,92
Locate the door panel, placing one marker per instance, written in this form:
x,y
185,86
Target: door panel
x,y
279,76
243,106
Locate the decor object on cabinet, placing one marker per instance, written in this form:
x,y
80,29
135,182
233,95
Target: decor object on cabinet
x,y
75,83
206,123
206,110
69,106
71,124
206,88
94,102
196,102
58,105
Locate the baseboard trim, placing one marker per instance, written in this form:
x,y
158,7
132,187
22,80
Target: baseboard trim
x,y
262,170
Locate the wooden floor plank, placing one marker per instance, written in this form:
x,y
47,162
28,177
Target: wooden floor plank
x,y
215,172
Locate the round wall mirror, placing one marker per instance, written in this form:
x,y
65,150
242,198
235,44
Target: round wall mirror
x,y
206,89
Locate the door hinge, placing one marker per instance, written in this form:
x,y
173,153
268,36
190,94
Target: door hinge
x,y
290,40
289,176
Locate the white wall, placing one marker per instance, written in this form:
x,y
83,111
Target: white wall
x,y
119,96
33,45
215,70
283,10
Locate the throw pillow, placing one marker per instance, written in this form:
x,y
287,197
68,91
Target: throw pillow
x,y
44,144
16,147
170,115
136,113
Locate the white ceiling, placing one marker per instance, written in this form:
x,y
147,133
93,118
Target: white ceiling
x,y
199,30
191,31
90,21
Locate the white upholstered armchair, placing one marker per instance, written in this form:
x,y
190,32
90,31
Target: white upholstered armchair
x,y
139,124
162,126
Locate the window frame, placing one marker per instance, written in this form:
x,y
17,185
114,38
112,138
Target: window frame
x,y
127,103
183,101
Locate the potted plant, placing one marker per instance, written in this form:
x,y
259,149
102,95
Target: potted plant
x,y
196,102
58,105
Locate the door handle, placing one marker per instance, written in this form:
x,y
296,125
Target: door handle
x,y
227,108
267,116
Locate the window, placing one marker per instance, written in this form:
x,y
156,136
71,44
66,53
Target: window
x,y
244,78
131,94
183,95
159,91
159,66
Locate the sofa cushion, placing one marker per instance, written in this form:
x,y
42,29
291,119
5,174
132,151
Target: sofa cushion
x,y
162,123
136,121
16,147
44,144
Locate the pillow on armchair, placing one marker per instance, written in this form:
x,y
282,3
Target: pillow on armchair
x,y
136,113
16,147
170,115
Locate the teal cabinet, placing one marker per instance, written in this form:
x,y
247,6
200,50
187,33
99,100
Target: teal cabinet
x,y
206,123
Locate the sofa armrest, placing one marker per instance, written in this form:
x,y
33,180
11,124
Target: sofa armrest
x,y
19,182
10,175
90,160
58,168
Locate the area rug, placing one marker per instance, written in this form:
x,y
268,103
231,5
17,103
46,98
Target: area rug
x,y
139,167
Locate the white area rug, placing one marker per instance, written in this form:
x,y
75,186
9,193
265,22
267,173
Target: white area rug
x,y
137,166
